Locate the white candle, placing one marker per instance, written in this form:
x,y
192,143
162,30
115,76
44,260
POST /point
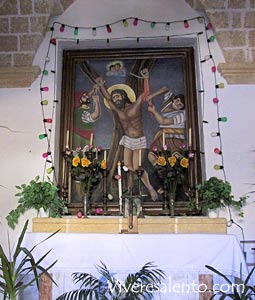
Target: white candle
x,y
105,156
190,138
119,184
139,157
164,140
67,139
91,139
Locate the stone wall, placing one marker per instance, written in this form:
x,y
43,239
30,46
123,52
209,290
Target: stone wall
x,y
234,27
23,24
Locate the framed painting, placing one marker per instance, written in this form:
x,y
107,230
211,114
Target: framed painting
x,y
132,108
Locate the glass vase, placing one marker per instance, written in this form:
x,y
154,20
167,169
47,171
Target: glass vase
x,y
85,205
171,198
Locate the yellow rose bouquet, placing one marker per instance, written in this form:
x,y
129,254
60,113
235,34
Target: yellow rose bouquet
x,y
86,167
172,169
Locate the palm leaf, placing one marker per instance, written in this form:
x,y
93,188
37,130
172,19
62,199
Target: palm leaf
x,y
13,271
20,240
94,288
219,273
246,294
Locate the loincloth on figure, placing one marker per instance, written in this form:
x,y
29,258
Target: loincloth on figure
x,y
133,143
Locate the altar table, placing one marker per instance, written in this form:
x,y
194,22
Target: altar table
x,y
181,256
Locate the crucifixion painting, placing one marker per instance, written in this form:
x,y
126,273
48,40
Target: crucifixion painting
x,y
133,107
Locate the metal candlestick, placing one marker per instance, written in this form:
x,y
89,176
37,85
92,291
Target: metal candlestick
x,y
165,200
105,198
65,176
139,177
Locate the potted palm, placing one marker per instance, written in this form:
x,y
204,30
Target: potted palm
x,y
17,264
242,291
215,193
139,285
37,194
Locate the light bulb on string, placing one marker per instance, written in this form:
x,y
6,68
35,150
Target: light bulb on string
x,y
42,136
223,119
50,170
125,23
218,167
135,23
153,24
45,72
213,69
220,85
76,31
206,58
217,151
108,28
211,39
186,24
94,31
44,89
62,28
44,102
167,26
214,134
215,100
46,154
50,28
47,59
208,26
53,41
49,120
200,20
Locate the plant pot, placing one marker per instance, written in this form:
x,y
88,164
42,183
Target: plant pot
x,y
213,213
42,213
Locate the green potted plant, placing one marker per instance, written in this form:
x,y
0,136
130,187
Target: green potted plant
x,y
17,264
242,291
37,194
139,285
215,193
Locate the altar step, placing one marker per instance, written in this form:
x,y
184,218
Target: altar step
x,y
118,224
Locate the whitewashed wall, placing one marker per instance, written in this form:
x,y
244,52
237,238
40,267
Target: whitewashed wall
x,y
21,150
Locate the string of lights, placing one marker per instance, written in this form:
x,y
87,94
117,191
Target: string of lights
x,y
58,33
206,59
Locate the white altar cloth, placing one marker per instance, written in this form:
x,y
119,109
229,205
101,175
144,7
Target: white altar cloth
x,y
178,255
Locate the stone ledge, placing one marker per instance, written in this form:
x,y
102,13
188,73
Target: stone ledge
x,y
22,77
18,77
238,73
141,225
